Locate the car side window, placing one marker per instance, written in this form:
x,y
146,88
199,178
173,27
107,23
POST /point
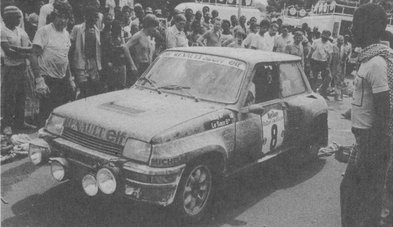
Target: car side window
x,y
266,83
291,80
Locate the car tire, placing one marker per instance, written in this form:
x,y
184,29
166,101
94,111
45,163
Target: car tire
x,y
194,193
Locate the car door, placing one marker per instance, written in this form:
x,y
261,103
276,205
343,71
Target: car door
x,y
267,97
260,128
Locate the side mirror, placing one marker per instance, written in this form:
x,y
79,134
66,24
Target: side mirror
x,y
255,109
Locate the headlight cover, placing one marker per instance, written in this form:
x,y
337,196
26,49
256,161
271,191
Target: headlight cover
x,y
55,124
137,150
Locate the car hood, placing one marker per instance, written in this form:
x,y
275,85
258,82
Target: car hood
x,y
137,113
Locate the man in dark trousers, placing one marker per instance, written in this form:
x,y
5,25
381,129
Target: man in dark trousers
x,y
362,187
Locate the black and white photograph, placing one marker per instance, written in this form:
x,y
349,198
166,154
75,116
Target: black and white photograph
x,y
196,113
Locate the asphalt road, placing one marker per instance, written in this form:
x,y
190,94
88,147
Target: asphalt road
x,y
271,195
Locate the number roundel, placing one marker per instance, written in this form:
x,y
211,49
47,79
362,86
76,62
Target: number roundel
x,y
273,142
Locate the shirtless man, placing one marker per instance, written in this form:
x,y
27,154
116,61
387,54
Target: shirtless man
x,y
141,45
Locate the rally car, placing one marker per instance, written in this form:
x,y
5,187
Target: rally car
x,y
196,116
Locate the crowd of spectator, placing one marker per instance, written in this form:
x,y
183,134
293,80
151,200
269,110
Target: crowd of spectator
x,y
76,52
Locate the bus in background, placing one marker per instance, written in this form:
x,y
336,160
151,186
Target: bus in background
x,y
225,8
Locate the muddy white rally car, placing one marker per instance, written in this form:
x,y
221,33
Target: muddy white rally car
x,y
196,116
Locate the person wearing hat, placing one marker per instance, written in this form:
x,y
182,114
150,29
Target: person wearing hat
x,y
321,56
16,44
50,63
175,36
158,13
366,191
148,10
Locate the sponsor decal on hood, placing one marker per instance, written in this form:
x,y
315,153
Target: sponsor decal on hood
x,y
110,135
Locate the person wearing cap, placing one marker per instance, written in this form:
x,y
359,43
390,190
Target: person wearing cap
x,y
283,40
296,48
16,45
321,56
212,37
140,46
175,36
366,191
148,10
49,61
86,54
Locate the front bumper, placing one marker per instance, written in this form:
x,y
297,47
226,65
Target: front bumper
x,y
136,181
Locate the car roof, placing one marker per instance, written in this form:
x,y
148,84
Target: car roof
x,y
248,55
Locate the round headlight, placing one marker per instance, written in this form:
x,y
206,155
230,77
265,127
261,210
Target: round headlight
x,y
89,184
58,170
106,181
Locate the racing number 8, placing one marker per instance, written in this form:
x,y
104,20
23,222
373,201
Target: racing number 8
x,y
273,142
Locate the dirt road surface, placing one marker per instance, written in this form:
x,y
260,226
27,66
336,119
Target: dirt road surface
x,y
270,195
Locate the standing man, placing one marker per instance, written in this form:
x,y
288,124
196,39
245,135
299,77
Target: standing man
x,y
140,46
258,41
175,36
362,186
86,54
337,66
321,56
296,48
271,37
50,61
240,31
212,37
283,40
13,40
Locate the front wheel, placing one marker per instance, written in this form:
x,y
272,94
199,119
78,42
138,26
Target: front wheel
x,y
194,193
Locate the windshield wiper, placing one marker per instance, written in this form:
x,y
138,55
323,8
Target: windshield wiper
x,y
175,87
152,83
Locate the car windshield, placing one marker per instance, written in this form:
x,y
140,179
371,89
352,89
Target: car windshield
x,y
203,76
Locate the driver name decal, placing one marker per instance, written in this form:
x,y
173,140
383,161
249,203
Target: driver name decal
x,y
220,121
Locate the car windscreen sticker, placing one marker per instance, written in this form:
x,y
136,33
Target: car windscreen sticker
x,y
207,58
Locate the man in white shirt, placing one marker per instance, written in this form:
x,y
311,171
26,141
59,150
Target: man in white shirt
x,y
175,36
15,42
50,61
321,56
365,178
258,41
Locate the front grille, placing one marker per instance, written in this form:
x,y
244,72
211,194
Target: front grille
x,y
91,142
